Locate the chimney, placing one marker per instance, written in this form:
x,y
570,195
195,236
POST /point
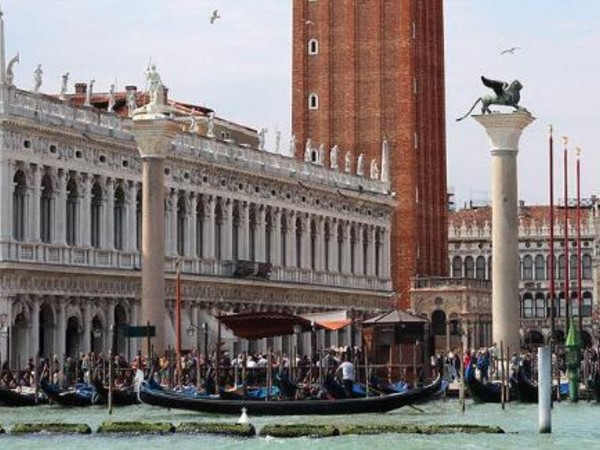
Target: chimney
x,y
80,88
166,95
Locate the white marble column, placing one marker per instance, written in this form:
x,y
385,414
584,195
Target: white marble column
x,y
208,227
110,325
346,227
290,237
304,241
333,245
227,230
34,327
371,244
61,329
84,216
260,234
172,223
359,251
6,199
191,208
386,253
153,132
59,228
33,202
244,231
86,341
134,344
504,131
276,236
129,227
108,231
320,244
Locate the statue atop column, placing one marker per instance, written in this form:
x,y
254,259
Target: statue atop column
x,y
506,94
10,76
37,76
155,86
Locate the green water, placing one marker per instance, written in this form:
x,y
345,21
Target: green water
x,y
577,424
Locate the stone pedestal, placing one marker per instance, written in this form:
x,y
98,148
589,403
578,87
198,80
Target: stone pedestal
x,y
504,131
153,134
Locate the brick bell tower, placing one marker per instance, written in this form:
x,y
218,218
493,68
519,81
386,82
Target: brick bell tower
x,y
365,71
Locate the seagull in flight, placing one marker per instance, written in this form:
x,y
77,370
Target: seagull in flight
x,y
511,50
215,16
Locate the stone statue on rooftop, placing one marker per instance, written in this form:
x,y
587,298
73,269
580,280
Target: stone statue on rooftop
x,y
507,94
277,141
293,145
360,165
37,76
210,132
10,75
193,123
111,98
333,157
348,162
308,150
261,138
88,93
63,87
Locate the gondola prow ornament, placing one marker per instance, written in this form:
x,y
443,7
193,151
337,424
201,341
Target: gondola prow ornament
x,y
506,94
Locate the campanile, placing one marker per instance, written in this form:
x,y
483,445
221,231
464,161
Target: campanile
x,y
369,71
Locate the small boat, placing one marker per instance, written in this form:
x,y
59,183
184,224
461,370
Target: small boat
x,y
482,392
123,396
21,397
526,390
379,404
81,395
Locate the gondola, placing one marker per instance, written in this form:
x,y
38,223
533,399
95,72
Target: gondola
x,y
11,397
482,392
526,390
378,404
123,396
81,395
594,386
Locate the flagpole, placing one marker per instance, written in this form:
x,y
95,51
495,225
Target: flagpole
x,y
579,274
566,237
552,265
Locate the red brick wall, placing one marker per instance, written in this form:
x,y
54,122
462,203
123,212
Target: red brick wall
x,y
364,76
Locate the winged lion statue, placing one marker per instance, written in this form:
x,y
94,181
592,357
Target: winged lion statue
x,y
507,94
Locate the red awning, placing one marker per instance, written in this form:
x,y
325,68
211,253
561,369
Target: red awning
x,y
334,325
253,326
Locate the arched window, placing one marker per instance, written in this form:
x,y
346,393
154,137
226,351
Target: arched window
x,y
573,266
119,217
562,305
469,267
96,215
72,211
540,305
438,323
551,265
457,267
313,101
19,215
586,304
540,268
527,308
586,267
574,305
480,268
181,223
527,267
313,47
561,268
46,209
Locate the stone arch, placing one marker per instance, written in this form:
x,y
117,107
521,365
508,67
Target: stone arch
x,y
534,337
73,336
438,322
47,326
98,330
121,321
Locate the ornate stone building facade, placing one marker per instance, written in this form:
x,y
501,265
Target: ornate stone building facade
x,y
70,232
470,256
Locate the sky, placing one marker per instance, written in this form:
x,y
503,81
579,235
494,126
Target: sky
x,y
241,67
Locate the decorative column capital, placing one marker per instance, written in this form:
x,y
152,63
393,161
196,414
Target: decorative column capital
x,y
504,130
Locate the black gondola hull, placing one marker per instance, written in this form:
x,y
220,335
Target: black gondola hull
x,y
11,398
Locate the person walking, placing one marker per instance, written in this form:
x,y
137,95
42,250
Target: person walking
x,y
347,370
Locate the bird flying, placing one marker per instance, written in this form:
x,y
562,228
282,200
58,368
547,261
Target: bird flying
x,y
511,50
215,15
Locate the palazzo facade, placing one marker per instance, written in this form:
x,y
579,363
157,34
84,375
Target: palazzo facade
x,y
70,232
